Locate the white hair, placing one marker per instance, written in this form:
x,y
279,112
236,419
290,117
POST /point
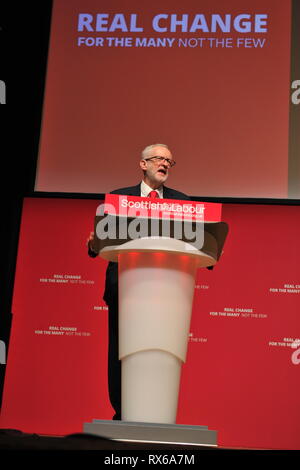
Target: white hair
x,y
150,147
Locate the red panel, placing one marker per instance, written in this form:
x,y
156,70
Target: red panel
x,y
240,378
224,111
57,367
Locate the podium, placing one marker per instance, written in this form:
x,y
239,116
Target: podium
x,y
156,276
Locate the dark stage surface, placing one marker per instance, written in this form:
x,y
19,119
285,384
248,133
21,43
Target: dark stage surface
x,y
14,439
110,451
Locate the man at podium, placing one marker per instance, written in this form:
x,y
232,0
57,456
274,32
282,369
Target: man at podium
x,y
156,162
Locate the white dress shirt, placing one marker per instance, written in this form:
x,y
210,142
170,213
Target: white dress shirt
x,y
145,190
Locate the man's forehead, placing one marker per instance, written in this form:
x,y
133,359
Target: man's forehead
x,y
160,150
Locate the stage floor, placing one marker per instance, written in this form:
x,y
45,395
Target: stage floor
x,y
14,439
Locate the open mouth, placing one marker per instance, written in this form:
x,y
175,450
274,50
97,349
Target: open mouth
x,y
162,171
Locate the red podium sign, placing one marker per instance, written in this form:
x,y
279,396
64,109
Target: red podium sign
x,y
133,206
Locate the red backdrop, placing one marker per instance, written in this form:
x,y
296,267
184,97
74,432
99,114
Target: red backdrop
x,y
223,108
241,377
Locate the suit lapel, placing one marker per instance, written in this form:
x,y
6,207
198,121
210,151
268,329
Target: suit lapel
x,y
135,190
168,193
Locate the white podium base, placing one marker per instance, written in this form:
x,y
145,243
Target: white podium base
x,y
150,386
156,289
155,305
152,433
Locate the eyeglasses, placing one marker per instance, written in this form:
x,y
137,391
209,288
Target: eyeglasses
x,y
158,160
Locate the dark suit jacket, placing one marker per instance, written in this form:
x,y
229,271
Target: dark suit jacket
x,y
111,282
168,193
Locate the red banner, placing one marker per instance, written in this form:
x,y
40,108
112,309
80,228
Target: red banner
x,y
241,377
211,79
134,206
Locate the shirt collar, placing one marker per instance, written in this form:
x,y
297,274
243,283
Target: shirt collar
x,y
145,190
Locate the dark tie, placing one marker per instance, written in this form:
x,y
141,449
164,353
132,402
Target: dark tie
x,y
153,194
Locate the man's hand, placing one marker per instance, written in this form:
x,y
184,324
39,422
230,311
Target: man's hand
x,y
90,241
